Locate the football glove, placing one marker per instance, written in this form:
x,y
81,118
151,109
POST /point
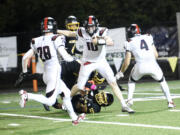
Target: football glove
x,y
21,78
119,75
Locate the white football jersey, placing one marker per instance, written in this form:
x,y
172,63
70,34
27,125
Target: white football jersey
x,y
141,48
46,48
92,53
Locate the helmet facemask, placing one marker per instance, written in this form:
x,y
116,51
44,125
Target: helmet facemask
x,y
133,30
91,29
91,25
104,98
71,23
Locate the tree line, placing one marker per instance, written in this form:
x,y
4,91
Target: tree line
x,y
26,15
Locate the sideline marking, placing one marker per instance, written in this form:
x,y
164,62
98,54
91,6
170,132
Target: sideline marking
x,y
122,115
6,102
14,124
174,110
96,122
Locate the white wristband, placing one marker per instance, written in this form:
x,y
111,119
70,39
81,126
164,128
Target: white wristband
x,y
101,41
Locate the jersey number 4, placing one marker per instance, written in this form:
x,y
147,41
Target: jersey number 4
x,y
144,45
44,53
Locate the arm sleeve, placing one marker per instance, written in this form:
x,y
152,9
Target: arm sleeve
x,y
62,51
59,41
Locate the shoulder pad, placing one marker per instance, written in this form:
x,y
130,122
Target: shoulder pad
x,y
54,37
101,31
33,41
80,32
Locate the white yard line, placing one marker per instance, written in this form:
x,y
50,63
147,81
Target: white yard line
x,y
153,98
96,122
174,110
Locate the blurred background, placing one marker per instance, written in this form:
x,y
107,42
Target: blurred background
x,y
21,19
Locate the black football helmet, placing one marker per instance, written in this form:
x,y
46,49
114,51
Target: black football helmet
x,y
133,30
91,24
71,23
48,24
104,98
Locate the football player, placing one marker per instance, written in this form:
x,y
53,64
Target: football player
x,y
93,58
72,24
47,48
71,69
93,100
143,49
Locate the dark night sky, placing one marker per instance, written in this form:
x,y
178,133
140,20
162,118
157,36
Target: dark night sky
x,y
25,15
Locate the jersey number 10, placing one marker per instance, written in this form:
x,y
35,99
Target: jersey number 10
x,y
92,47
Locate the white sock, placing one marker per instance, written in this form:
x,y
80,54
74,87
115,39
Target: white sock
x,y
131,89
165,89
68,105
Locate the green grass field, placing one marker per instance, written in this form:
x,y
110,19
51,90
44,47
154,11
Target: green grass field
x,y
152,116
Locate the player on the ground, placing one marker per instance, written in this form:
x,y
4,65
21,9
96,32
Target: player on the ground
x,y
143,49
47,47
94,52
93,99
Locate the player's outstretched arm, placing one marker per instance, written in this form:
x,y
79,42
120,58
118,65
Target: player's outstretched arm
x,y
109,40
106,40
67,33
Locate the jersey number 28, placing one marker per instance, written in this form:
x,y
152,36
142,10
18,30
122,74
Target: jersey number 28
x,y
44,53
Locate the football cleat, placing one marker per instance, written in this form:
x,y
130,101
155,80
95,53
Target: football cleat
x,y
127,109
171,105
46,107
80,118
23,99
